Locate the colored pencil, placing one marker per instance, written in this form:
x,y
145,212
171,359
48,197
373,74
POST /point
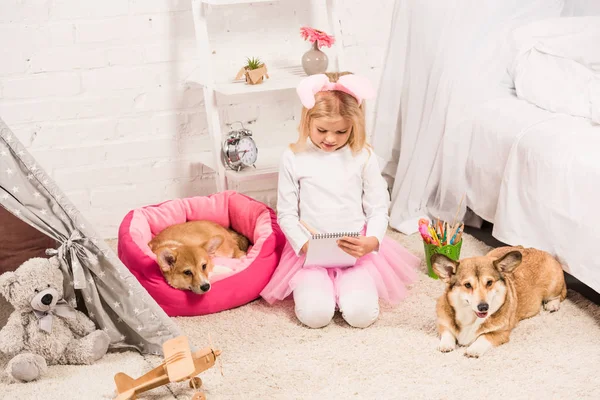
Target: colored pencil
x,y
440,233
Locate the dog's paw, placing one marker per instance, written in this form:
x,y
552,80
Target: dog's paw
x,y
472,353
478,348
446,348
447,343
552,305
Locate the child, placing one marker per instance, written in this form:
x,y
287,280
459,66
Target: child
x,y
329,181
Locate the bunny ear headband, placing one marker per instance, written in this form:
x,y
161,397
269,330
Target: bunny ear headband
x,y
358,87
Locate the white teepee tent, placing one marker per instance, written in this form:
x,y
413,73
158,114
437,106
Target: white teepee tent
x,y
96,282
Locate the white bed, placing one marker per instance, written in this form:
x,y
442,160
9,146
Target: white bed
x,y
535,175
458,129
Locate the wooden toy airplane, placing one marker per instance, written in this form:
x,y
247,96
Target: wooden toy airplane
x,y
180,364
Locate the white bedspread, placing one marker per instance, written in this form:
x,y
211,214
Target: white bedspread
x,y
549,194
535,175
445,126
443,56
491,134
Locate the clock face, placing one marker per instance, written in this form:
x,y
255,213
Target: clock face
x,y
247,151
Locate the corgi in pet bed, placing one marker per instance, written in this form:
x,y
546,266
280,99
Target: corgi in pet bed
x,y
485,297
184,252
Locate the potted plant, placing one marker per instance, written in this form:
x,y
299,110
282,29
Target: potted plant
x,y
314,61
254,71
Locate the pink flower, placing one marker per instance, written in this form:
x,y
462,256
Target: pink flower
x,y
314,35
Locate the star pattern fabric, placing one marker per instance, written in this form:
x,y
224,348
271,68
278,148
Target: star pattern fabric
x,y
111,295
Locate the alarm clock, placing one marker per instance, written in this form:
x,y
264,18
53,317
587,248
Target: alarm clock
x,y
239,149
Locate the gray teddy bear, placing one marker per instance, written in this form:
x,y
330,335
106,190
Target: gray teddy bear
x,y
44,330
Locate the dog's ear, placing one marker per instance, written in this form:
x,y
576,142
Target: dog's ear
x,y
213,244
7,279
443,266
508,262
167,258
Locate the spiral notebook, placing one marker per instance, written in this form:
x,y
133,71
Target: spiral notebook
x,y
323,251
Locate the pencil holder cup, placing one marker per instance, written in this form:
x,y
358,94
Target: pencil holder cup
x,y
450,250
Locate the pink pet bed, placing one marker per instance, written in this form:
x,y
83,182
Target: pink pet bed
x,y
234,282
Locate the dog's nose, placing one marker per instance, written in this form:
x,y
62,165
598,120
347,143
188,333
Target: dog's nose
x,y
47,299
205,287
483,307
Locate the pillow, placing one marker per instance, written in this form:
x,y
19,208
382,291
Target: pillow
x,y
20,242
575,8
556,65
506,16
573,38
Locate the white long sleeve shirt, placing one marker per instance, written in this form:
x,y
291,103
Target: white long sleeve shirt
x,y
332,192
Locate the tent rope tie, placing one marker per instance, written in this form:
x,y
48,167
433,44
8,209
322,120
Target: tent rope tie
x,y
74,249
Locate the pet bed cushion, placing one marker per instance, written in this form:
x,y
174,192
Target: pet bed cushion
x,y
235,282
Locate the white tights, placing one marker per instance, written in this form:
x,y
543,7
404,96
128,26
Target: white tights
x,y
314,298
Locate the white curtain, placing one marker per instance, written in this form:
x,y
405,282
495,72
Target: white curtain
x,y
442,57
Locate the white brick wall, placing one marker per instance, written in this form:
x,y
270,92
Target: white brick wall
x,y
97,90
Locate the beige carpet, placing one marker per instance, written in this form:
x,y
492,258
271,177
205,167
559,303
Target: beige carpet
x,y
268,355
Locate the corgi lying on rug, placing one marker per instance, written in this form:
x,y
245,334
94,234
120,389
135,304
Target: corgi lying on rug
x,y
487,296
184,252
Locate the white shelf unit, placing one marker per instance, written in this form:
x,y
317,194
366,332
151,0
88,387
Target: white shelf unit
x,y
280,78
233,2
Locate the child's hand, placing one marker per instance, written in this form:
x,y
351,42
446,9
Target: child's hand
x,y
358,246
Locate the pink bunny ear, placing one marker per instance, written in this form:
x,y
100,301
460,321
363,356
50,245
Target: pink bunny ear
x,y
308,87
359,87
356,86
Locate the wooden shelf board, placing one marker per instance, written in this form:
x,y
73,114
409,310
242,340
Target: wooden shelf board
x,y
233,2
279,79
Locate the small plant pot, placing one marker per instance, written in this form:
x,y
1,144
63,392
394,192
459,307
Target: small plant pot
x,y
253,76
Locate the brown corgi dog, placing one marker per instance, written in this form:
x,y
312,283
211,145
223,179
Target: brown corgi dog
x,y
184,252
487,296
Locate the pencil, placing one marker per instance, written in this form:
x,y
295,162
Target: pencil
x,y
309,228
434,236
457,234
461,230
445,232
454,233
458,209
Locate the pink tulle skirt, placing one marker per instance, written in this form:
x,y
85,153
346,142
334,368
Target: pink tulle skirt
x,y
392,268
